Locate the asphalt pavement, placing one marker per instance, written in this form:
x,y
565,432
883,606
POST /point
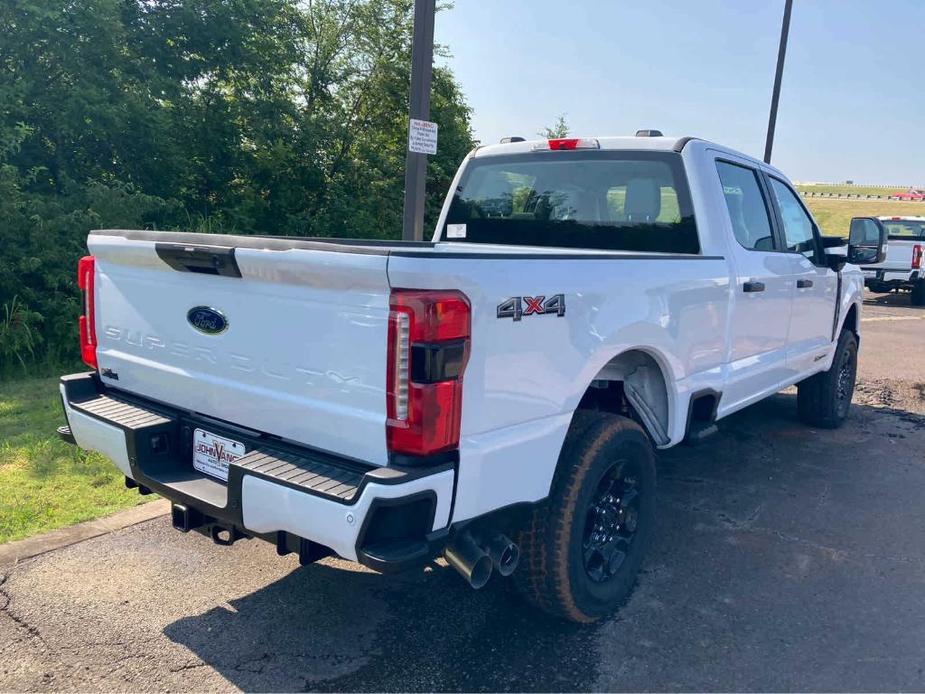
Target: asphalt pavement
x,y
786,558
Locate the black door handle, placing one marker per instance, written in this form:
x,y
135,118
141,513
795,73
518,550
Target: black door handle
x,y
804,284
753,287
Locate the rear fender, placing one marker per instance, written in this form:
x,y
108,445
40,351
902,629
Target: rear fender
x,y
646,388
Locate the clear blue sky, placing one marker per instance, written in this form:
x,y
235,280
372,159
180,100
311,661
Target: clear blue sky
x,y
852,103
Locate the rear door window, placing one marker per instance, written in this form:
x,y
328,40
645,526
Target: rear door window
x,y
748,209
799,235
633,201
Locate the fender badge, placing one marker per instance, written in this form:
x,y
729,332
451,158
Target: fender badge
x,y
515,308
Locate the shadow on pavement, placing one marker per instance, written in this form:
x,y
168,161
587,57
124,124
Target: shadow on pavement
x,y
759,531
893,299
325,627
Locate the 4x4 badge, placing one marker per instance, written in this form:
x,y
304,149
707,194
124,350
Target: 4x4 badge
x,y
519,306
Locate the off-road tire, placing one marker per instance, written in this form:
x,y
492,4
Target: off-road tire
x,y
824,400
552,574
918,293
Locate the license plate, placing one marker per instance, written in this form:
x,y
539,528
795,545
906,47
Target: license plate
x,y
212,454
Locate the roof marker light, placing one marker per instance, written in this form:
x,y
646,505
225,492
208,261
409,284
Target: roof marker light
x,y
568,143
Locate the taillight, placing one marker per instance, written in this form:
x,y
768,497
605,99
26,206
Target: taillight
x,y
916,256
568,143
86,269
427,354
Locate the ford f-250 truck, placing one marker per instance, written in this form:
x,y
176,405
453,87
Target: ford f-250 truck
x,y
493,396
902,268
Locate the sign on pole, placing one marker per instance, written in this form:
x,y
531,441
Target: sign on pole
x,y
422,137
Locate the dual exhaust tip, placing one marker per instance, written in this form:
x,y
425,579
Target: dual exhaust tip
x,y
475,557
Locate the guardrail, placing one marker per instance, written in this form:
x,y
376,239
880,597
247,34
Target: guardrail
x,y
853,196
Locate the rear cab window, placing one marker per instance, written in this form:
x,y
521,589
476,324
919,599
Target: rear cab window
x,y
905,229
601,200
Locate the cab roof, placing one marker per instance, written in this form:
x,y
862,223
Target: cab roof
x,y
657,144
623,143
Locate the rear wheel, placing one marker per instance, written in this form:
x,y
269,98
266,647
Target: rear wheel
x,y
918,293
823,400
582,552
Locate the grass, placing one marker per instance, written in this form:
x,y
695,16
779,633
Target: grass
x,y
834,216
44,482
845,189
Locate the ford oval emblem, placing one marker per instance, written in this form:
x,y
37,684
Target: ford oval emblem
x,y
207,320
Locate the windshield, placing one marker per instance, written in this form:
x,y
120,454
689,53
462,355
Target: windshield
x,y
632,201
905,229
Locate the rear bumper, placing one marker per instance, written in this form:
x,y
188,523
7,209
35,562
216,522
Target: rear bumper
x,y
388,518
874,278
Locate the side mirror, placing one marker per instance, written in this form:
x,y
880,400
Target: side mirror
x,y
866,241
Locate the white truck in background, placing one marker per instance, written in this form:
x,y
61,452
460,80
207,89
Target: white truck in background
x,y
494,396
901,269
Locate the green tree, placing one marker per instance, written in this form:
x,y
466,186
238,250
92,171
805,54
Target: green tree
x,y
559,129
247,116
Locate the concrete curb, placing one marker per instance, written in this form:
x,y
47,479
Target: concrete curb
x,y
14,552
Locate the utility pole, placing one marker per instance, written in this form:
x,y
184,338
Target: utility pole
x,y
775,96
422,58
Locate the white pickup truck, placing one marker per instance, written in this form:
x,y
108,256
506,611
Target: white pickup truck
x,y
493,396
901,269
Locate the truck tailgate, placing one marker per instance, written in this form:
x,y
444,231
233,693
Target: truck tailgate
x,y
300,354
898,256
